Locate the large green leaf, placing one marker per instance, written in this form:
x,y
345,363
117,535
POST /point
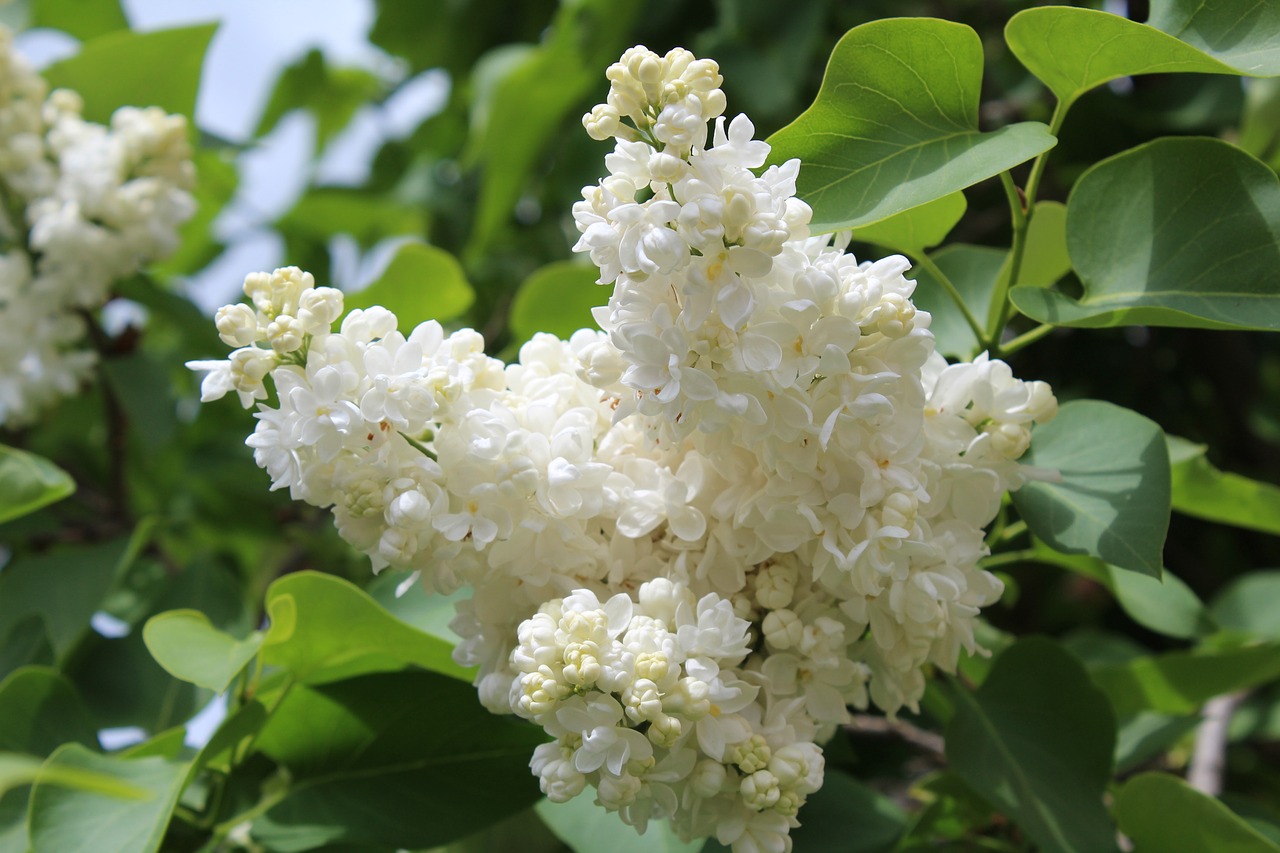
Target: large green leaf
x,y
1073,50
406,759
84,19
557,298
160,69
581,824
324,628
1249,604
1201,490
77,821
367,217
1160,812
26,643
420,283
974,271
1177,232
847,816
1036,740
187,645
895,124
1245,37
1113,499
65,587
919,228
1179,682
29,482
1045,258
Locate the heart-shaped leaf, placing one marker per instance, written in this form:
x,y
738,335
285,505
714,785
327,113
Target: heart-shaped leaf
x,y
1177,232
187,645
1113,499
917,229
420,283
324,628
895,124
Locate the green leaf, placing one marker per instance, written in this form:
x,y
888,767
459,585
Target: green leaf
x,y
1045,258
160,69
974,271
558,299
64,586
520,116
1249,605
39,711
187,645
1164,604
19,770
1073,50
1201,490
332,95
581,824
83,19
1177,232
846,816
124,686
363,751
1113,500
912,231
1179,682
75,821
1246,38
421,283
895,124
26,643
1161,812
324,628
1036,740
1146,735
367,217
29,482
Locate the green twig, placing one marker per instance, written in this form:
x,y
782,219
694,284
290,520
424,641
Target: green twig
x,y
1027,338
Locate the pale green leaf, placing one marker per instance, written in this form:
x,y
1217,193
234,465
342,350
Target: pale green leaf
x,y
1074,50
1036,740
895,124
580,824
78,821
1159,812
1045,258
912,231
1179,682
557,298
29,482
421,283
156,69
1251,604
187,645
1112,501
1177,232
1201,490
324,628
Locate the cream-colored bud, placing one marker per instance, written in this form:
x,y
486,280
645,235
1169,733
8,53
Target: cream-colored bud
x,y
783,629
238,325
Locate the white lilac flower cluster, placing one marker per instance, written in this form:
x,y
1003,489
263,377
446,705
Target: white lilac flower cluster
x,y
81,206
695,538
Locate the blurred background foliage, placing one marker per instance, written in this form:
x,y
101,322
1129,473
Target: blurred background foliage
x,y
170,511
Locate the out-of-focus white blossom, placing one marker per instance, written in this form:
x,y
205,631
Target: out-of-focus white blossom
x,y
695,538
83,206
